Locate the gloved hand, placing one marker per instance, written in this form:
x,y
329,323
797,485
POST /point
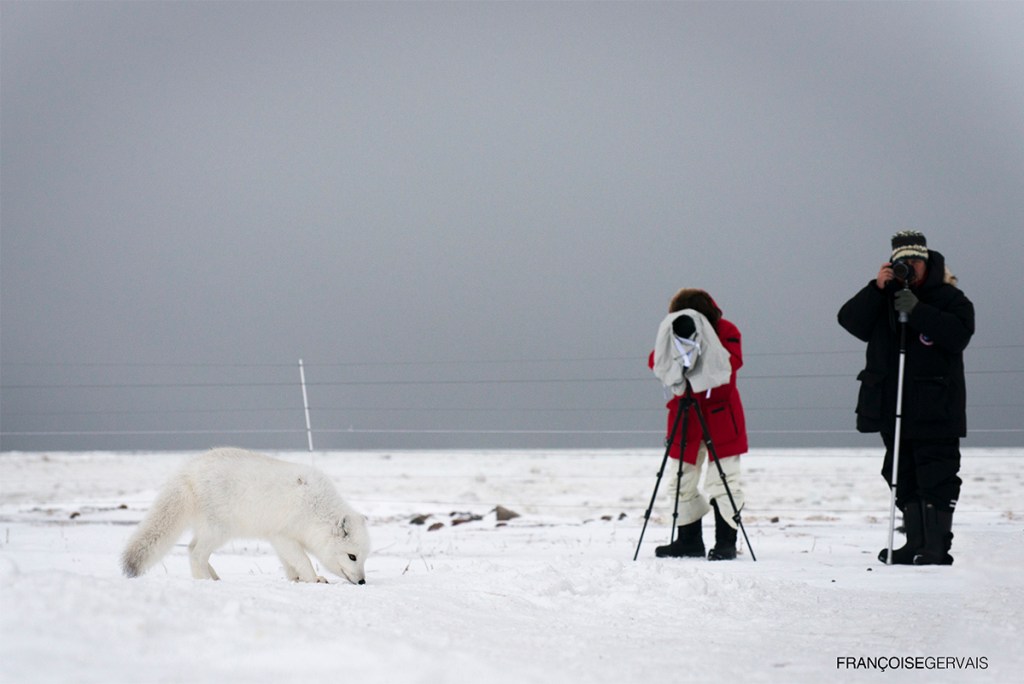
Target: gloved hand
x,y
905,301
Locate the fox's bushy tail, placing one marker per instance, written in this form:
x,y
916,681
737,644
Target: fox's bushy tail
x,y
160,529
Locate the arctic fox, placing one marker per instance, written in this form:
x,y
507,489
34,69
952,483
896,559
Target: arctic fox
x,y
229,493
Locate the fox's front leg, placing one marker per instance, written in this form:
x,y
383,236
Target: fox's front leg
x,y
296,563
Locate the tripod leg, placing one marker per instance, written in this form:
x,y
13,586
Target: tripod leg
x,y
684,409
654,495
657,483
713,455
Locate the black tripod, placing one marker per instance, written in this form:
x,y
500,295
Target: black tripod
x,y
686,402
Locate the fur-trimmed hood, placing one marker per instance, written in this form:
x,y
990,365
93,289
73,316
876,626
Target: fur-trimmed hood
x,y
938,272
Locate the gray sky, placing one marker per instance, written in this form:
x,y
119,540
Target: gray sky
x,y
468,218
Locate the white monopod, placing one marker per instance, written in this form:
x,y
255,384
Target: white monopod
x,y
899,420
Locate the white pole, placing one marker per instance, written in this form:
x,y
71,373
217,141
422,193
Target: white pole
x,y
898,436
305,406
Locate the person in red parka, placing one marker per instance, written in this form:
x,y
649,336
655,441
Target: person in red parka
x,y
723,412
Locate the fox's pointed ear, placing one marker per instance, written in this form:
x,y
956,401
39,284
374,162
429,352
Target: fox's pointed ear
x,y
341,528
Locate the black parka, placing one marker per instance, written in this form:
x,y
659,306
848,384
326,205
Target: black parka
x,y
938,330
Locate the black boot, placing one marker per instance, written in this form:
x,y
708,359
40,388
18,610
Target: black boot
x,y
725,538
938,537
689,543
913,526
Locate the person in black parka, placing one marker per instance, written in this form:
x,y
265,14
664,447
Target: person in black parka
x,y
940,323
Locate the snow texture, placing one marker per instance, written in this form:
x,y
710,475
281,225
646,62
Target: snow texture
x,y
550,596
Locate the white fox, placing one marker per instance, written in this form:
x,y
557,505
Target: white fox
x,y
230,493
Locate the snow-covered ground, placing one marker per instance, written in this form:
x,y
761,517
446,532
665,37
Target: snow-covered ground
x,y
552,596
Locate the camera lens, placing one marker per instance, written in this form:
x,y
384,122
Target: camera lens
x,y
903,271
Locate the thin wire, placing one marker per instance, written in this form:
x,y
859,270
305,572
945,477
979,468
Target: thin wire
x,y
396,431
407,383
459,362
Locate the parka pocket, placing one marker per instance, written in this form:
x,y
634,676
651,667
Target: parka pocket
x,y
872,394
931,399
722,424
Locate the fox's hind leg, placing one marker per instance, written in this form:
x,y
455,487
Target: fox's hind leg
x,y
295,561
199,551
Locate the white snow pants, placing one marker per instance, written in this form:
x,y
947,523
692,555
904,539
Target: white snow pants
x,y
693,505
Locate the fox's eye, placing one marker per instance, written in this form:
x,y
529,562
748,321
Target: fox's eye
x,y
352,557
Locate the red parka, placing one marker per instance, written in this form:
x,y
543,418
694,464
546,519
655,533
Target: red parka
x,y
723,410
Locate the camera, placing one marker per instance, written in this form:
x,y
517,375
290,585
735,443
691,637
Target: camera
x,y
903,271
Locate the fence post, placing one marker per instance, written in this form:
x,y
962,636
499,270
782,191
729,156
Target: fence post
x,y
305,406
